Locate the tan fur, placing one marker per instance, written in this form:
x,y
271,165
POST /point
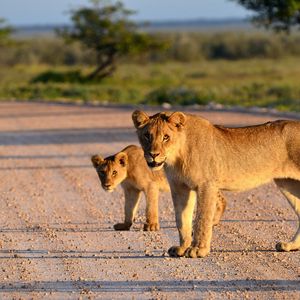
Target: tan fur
x,y
135,177
205,158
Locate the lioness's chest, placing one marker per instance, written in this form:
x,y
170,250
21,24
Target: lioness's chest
x,y
179,175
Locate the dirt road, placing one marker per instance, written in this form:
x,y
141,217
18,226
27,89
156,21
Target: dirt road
x,y
56,236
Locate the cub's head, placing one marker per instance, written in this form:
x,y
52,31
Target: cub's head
x,y
160,136
111,170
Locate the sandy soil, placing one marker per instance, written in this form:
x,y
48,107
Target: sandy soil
x,y
56,236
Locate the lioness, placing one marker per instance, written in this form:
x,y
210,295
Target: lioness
x,y
129,169
206,158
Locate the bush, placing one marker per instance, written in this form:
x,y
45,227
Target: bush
x,y
54,76
231,45
179,96
183,47
241,46
49,51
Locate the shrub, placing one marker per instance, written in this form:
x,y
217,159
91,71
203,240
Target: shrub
x,y
179,96
183,46
53,76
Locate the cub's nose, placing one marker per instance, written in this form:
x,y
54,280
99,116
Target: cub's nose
x,y
153,155
107,186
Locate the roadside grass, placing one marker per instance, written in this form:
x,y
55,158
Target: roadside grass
x,y
273,83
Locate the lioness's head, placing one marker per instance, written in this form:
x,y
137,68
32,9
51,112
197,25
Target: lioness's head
x,y
111,170
159,135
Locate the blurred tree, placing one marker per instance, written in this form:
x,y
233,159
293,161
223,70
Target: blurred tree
x,y
105,28
5,32
277,14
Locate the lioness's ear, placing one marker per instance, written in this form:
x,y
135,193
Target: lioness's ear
x,y
177,119
139,118
97,160
122,159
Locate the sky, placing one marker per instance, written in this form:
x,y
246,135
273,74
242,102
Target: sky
x,y
40,12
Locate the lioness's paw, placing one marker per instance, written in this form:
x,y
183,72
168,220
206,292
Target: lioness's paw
x,y
151,227
194,252
176,251
122,226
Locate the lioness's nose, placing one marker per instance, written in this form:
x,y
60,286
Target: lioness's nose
x,y
107,185
153,155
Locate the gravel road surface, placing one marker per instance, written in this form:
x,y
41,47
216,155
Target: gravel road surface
x,y
56,223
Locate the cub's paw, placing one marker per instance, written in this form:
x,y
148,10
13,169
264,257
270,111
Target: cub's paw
x,y
122,226
194,252
151,227
285,247
176,251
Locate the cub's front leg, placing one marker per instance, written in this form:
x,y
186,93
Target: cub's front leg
x,y
207,199
152,222
132,197
184,202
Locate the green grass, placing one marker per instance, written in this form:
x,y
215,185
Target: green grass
x,y
256,82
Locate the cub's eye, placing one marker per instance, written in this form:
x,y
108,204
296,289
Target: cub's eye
x,y
102,173
147,136
166,138
114,173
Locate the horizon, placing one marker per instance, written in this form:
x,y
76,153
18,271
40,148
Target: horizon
x,y
151,22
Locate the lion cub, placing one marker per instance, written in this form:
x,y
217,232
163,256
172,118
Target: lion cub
x,y
129,168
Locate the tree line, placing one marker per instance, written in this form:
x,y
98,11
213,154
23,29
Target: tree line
x,y
102,34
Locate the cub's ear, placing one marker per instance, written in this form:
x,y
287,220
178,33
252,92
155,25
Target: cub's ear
x,y
140,119
97,160
122,159
177,119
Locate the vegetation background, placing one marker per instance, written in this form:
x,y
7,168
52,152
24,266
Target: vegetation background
x,y
228,66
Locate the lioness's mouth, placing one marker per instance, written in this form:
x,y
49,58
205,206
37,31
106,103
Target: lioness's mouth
x,y
110,189
154,164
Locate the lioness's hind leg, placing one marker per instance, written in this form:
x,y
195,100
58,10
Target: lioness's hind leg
x,y
290,188
220,208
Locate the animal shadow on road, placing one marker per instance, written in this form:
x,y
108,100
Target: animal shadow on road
x,y
75,254
67,136
64,227
59,113
148,286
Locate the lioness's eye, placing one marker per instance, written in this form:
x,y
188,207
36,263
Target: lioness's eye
x,y
166,138
114,173
147,136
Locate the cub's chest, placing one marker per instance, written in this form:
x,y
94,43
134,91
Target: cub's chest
x,y
134,182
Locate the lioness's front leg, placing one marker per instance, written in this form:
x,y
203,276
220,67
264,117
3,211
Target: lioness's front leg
x,y
207,199
184,202
220,208
152,223
132,197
